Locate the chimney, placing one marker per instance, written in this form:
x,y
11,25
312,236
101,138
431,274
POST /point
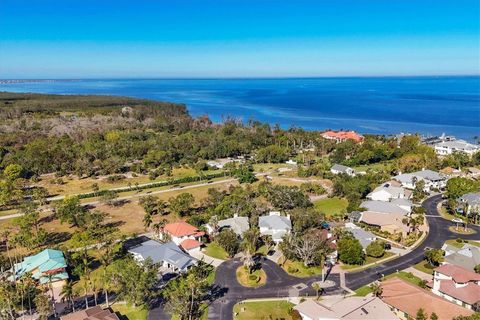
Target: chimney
x,y
235,215
288,216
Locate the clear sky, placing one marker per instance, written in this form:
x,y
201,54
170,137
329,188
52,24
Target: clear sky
x,y
237,38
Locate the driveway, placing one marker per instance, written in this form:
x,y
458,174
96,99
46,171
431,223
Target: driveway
x,y
280,284
437,235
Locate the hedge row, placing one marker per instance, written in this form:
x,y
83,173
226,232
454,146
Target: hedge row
x,y
155,184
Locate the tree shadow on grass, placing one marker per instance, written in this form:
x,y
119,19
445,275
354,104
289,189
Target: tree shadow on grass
x,y
55,238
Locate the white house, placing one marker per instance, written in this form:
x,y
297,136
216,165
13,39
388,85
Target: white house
x,y
458,285
275,225
183,234
388,192
341,169
291,162
238,225
448,147
168,255
471,201
432,179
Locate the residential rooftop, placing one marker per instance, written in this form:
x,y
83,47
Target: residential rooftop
x,y
409,298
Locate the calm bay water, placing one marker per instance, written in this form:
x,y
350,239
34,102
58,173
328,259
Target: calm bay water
x,y
427,105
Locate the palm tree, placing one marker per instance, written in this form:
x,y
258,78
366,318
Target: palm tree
x,y
317,288
159,226
376,289
147,220
50,277
68,294
249,247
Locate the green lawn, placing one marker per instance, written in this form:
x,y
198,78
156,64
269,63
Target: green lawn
x,y
130,312
298,269
332,206
363,291
407,276
424,266
256,279
453,242
215,251
375,166
368,260
263,310
444,213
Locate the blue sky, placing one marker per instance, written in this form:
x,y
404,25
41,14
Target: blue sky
x,y
237,38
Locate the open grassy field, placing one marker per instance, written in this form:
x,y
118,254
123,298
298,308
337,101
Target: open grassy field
x,y
74,185
263,310
332,207
385,165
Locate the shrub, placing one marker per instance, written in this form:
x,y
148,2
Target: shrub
x,y
376,249
292,270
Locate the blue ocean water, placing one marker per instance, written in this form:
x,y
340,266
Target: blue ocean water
x,y
382,105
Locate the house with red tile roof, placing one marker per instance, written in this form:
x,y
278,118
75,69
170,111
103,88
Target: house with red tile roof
x,y
405,299
341,136
184,235
458,285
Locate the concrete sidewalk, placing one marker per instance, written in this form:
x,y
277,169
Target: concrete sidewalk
x,y
207,259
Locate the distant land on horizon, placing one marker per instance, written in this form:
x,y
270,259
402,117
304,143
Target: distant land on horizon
x,y
428,105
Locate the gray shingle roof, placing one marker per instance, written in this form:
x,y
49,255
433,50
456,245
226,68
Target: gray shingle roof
x,y
382,207
365,237
238,224
341,168
467,257
275,222
472,198
160,252
423,174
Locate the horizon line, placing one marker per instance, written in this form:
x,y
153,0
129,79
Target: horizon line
x,y
241,77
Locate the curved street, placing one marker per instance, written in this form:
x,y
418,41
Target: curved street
x,y
281,285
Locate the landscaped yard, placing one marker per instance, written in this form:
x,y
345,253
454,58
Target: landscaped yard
x,y
215,251
455,243
256,279
332,206
298,269
130,312
375,166
368,260
425,267
407,276
363,291
263,310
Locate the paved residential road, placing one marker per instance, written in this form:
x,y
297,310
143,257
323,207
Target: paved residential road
x,y
280,284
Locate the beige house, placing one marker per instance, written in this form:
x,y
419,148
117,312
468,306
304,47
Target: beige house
x,y
391,223
354,308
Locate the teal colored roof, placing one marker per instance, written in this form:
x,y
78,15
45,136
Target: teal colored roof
x,y
55,277
47,260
